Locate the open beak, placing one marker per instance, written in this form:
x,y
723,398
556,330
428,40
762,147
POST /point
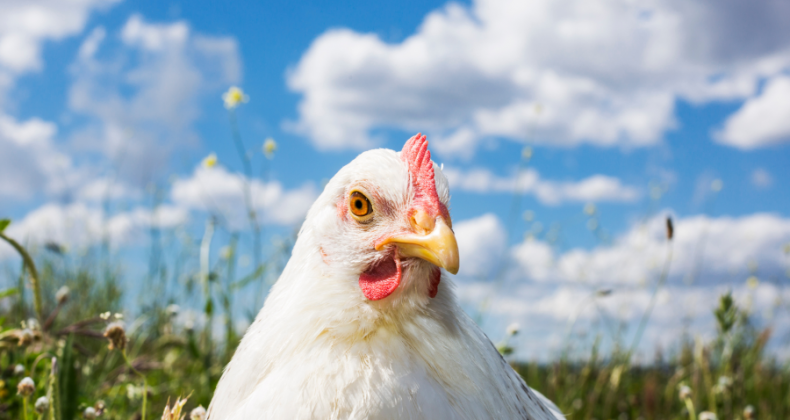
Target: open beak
x,y
433,241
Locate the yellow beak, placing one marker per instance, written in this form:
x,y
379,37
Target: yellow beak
x,y
435,242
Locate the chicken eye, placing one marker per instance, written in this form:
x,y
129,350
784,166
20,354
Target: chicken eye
x,y
359,204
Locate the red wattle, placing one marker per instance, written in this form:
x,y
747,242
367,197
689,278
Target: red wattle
x,y
380,280
436,277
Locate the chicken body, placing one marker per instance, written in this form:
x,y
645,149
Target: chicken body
x,y
344,336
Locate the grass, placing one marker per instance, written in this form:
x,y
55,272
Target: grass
x,y
61,328
72,361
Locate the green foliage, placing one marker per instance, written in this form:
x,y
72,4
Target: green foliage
x,y
728,376
726,313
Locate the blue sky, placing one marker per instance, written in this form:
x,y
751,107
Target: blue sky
x,y
643,111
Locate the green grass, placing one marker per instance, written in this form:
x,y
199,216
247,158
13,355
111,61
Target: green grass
x,y
168,360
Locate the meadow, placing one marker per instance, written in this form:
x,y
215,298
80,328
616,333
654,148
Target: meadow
x,y
68,350
62,328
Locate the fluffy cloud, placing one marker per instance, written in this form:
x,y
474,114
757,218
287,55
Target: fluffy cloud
x,y
143,98
603,72
25,25
220,192
592,189
547,288
141,101
762,120
481,244
704,250
80,225
31,158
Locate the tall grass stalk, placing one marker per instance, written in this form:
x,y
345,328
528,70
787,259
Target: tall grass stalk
x,y
31,269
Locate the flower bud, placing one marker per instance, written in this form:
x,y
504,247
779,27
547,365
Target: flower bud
x,y
62,295
42,405
198,413
670,229
89,413
99,407
26,387
25,336
116,335
685,392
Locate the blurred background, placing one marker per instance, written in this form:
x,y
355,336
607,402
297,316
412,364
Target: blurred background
x,y
158,157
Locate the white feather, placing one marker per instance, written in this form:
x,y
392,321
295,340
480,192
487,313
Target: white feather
x,y
320,350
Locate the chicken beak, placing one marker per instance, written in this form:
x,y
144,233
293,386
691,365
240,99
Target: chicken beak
x,y
434,241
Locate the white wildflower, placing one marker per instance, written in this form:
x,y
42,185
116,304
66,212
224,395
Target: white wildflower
x,y
198,413
42,405
89,413
26,387
62,295
233,97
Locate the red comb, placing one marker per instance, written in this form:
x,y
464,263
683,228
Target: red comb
x,y
417,157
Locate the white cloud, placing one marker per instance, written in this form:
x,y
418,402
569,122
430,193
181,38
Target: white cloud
x,y
761,120
80,225
595,188
220,192
705,249
557,72
31,156
144,100
545,289
25,25
481,243
761,178
31,159
104,189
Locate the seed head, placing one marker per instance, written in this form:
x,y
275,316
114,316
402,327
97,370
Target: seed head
x,y
512,329
707,415
748,412
670,228
42,405
25,336
174,413
116,335
62,295
19,370
26,387
725,382
33,325
172,309
99,407
198,413
89,413
685,392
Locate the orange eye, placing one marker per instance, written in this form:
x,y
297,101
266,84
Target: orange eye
x,y
359,204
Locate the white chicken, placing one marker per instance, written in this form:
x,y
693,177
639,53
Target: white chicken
x,y
363,323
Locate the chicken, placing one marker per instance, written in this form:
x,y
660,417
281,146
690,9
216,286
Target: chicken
x,y
363,323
